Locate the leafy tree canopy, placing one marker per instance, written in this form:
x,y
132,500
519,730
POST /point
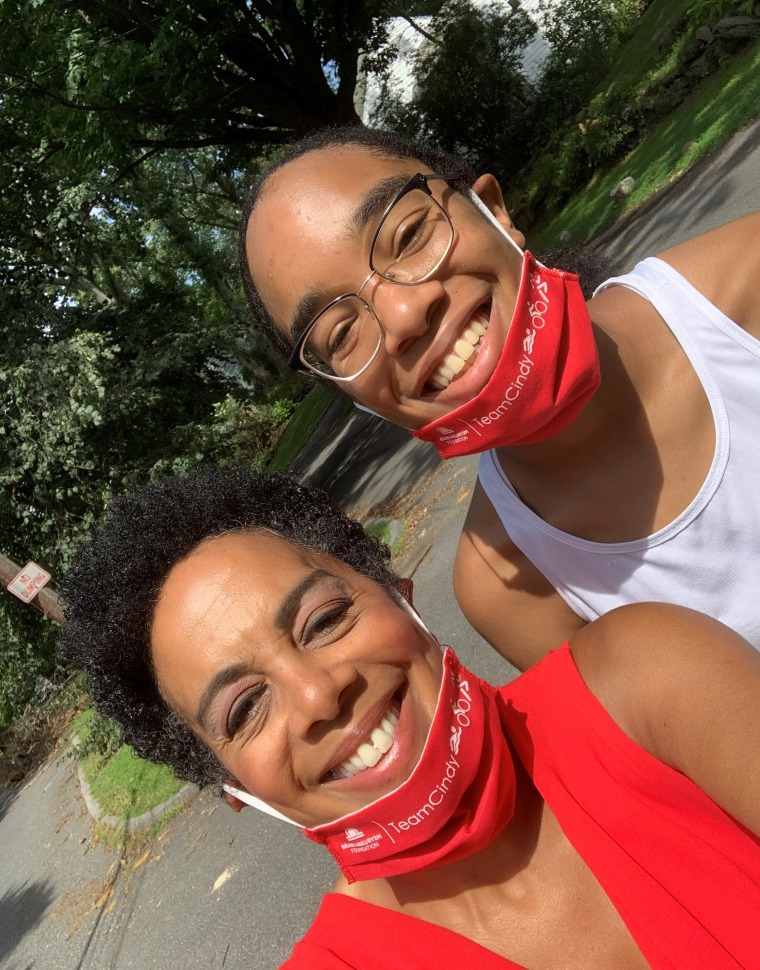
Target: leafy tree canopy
x,y
142,75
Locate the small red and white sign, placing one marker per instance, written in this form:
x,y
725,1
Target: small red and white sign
x,y
29,582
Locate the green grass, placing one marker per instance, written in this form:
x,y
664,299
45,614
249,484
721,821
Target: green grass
x,y
718,108
641,60
300,425
78,724
126,786
123,785
383,530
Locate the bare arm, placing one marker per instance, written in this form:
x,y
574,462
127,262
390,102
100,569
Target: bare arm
x,y
503,595
687,689
724,265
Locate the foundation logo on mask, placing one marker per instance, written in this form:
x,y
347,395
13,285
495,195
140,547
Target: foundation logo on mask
x,y
459,795
547,371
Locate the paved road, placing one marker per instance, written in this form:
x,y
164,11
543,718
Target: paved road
x,y
218,890
721,187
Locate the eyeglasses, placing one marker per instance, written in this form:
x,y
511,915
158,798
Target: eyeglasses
x,y
412,240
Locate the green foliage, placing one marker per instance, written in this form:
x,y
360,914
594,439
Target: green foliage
x,y
301,424
592,121
128,78
707,12
97,735
240,430
27,651
125,347
472,97
717,109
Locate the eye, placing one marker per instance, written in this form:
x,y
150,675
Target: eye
x,y
410,235
327,622
244,708
343,336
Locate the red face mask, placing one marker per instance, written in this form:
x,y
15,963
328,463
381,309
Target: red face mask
x,y
459,797
547,371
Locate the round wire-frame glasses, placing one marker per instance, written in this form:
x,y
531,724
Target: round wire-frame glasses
x,y
423,243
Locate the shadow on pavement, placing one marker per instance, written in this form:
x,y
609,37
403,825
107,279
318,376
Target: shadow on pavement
x,y
361,461
21,910
8,797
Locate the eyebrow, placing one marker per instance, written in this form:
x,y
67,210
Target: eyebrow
x,y
374,202
282,618
221,680
284,615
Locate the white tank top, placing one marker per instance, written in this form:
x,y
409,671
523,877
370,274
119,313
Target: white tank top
x,y
707,558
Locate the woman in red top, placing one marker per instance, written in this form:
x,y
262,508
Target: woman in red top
x,y
601,811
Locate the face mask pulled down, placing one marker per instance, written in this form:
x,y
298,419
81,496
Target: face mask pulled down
x,y
547,371
457,799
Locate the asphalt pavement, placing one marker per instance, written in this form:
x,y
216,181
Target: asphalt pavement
x,y
219,890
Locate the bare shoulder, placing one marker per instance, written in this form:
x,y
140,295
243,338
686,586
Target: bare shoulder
x,y
724,265
503,595
687,690
646,659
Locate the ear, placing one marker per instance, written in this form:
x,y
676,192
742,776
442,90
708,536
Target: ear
x,y
488,190
233,801
405,588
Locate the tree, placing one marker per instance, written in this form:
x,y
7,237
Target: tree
x,y
471,94
155,117
584,37
124,354
148,76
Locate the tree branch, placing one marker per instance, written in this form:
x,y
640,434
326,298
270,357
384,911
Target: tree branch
x,y
420,30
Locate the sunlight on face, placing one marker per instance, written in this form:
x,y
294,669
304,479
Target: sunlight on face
x,y
284,661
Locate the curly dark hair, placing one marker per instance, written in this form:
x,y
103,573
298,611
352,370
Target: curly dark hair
x,y
378,141
112,589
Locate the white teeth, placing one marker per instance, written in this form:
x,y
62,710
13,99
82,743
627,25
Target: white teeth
x,y
371,751
465,349
369,754
453,363
381,740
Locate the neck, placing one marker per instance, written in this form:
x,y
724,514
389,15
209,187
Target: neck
x,y
610,448
616,414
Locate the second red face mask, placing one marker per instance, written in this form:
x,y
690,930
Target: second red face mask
x,y
547,371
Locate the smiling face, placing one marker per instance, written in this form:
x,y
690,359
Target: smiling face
x,y
311,684
308,241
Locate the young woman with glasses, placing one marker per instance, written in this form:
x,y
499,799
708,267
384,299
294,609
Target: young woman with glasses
x,y
618,433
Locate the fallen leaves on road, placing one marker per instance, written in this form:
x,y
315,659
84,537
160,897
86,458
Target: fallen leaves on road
x,y
222,879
